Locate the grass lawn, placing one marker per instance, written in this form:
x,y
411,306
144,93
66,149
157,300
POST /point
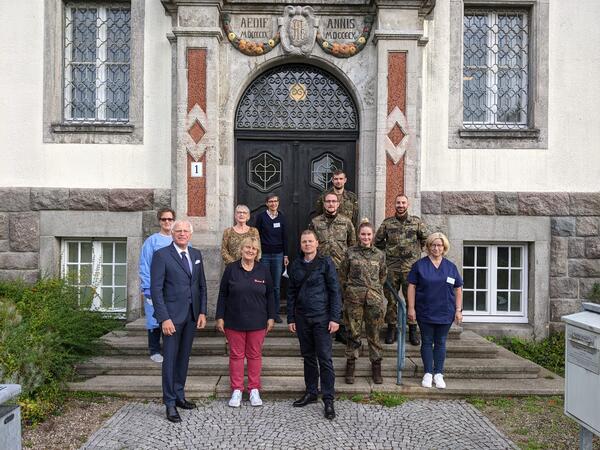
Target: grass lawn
x,y
533,422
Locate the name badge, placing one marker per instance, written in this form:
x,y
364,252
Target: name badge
x,y
277,225
450,280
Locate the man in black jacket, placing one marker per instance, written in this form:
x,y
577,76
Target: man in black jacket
x,y
314,311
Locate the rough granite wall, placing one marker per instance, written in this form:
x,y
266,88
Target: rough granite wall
x,y
20,219
575,230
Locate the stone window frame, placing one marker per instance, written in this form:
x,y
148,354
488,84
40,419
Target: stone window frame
x,y
535,232
536,135
56,226
492,289
55,129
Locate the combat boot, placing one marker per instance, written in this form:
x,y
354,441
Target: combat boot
x,y
412,335
391,334
350,366
376,372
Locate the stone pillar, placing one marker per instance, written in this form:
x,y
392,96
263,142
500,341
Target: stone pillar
x,y
399,40
196,41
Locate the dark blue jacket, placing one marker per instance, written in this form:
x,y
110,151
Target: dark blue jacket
x,y
246,299
319,297
173,290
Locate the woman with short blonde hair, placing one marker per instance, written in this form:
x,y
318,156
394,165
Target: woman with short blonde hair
x,y
233,236
245,314
434,301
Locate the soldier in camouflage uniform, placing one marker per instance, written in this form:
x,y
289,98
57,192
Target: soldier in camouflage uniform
x,y
401,237
348,200
335,234
363,273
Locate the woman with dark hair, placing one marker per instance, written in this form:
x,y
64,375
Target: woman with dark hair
x,y
272,228
245,313
435,301
362,275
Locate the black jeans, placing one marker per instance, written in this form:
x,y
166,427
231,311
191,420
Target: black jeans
x,y
316,349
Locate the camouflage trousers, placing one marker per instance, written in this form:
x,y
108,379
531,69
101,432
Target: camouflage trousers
x,y
372,316
397,278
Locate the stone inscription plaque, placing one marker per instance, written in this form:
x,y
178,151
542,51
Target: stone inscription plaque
x,y
335,28
254,26
582,349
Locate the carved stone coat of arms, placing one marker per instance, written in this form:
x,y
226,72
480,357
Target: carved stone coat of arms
x,y
298,30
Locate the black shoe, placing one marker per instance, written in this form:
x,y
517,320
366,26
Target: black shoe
x,y
329,411
184,404
305,400
173,415
278,319
391,334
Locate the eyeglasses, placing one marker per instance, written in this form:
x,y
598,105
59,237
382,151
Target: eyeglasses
x,y
241,212
166,219
331,201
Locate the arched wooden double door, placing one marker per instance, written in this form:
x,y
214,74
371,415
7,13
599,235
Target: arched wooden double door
x,y
295,125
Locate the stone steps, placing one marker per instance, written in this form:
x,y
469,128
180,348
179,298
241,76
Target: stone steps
x,y
469,346
149,386
283,366
138,328
474,366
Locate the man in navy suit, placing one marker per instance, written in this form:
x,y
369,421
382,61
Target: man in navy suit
x,y
178,288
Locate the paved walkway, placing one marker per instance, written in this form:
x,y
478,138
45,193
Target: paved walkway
x,y
418,424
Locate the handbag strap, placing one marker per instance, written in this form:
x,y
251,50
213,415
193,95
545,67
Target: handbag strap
x,y
309,268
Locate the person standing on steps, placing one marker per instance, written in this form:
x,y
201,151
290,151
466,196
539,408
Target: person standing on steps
x,y
233,236
348,200
335,234
166,217
363,273
434,301
178,288
272,228
313,314
245,314
401,237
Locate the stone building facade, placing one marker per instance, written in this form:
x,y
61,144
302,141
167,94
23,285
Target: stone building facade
x,y
202,104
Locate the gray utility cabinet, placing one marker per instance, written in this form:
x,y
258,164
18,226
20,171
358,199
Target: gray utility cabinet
x,y
582,371
10,418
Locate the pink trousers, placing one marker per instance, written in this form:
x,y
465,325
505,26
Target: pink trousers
x,y
248,345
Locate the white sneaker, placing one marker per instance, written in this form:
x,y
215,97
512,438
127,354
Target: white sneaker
x,y
426,380
236,399
255,398
157,358
438,379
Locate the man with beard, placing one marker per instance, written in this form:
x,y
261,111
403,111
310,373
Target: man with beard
x,y
401,237
348,201
335,234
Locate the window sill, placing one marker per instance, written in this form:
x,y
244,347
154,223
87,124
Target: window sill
x,y
499,134
105,128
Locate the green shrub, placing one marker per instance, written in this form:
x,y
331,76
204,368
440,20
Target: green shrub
x,y
594,294
44,331
548,353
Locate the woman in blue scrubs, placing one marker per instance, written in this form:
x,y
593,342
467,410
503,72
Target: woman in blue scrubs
x,y
435,301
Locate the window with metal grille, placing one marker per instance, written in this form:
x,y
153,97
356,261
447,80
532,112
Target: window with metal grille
x,y
97,63
99,269
495,69
495,283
